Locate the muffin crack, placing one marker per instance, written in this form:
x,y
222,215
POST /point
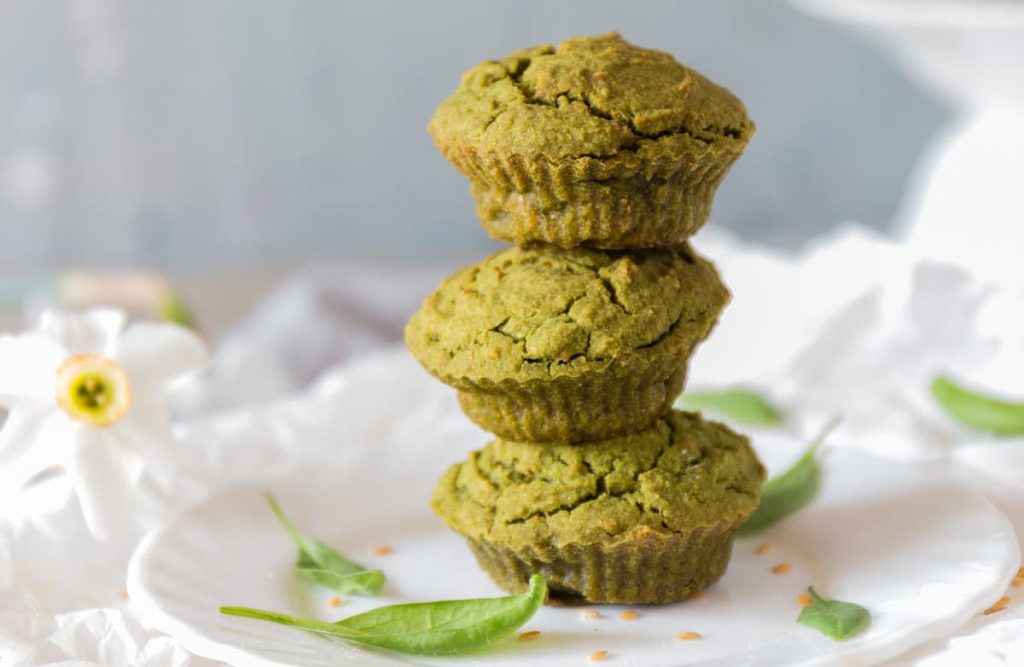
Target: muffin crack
x,y
668,332
565,507
530,97
653,509
601,484
613,292
500,330
490,121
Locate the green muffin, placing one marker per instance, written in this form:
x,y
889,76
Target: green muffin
x,y
564,345
597,142
644,518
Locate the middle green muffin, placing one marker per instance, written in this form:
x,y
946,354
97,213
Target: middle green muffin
x,y
565,345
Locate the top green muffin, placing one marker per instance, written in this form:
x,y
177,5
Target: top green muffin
x,y
540,312
595,142
595,98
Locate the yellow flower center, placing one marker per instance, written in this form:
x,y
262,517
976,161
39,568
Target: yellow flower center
x,y
93,389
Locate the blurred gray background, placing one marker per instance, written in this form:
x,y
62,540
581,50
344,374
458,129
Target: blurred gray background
x,y
196,133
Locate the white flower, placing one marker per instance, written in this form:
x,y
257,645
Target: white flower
x,y
86,393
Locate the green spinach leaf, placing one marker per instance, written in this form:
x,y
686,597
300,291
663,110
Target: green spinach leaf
x,y
324,566
978,411
835,619
741,405
788,492
424,628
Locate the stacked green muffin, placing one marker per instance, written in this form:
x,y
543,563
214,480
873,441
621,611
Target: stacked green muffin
x,y
598,159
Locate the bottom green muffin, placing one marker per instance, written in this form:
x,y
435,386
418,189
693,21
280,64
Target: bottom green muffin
x,y
643,518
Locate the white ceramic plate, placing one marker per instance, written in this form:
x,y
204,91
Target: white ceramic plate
x,y
920,551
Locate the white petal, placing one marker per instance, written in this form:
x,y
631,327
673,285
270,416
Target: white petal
x,y
92,331
21,431
152,354
154,446
28,368
31,442
104,480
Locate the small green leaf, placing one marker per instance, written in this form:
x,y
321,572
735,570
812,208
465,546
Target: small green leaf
x,y
835,619
424,628
977,410
741,405
788,492
324,566
364,582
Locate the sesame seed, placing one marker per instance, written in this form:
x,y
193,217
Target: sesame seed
x,y
1000,605
1017,582
383,551
781,568
629,615
763,549
589,613
529,635
597,656
688,636
803,599
698,594
124,594
335,602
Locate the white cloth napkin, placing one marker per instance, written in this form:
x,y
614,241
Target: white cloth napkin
x,y
854,325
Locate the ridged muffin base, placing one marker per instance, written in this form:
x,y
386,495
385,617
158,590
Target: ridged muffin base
x,y
644,567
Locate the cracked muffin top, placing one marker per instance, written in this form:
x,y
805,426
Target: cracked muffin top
x,y
590,99
537,312
680,474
